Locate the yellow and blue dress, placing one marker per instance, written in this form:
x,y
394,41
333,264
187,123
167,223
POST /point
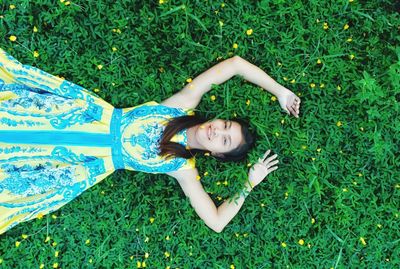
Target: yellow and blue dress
x,y
58,139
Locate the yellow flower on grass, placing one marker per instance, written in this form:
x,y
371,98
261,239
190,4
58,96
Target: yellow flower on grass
x,y
218,183
379,226
221,23
225,183
205,173
55,265
138,264
312,85
35,29
166,253
303,147
249,32
286,195
167,237
56,253
54,216
285,78
189,80
349,39
351,1
219,198
283,244
213,97
293,81
276,134
67,3
338,87
161,2
198,177
360,175
301,242
322,85
248,102
362,240
232,266
151,220
87,242
143,264
222,5
207,154
96,90
282,121
345,190
47,239
24,236
146,239
235,46
346,26
326,26
146,255
17,243
339,123
312,220
41,266
319,150
99,66
351,56
114,49
13,38
62,1
319,61
54,244
12,6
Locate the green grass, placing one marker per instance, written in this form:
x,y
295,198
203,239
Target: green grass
x,y
351,189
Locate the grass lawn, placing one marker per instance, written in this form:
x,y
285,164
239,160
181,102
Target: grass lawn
x,y
334,202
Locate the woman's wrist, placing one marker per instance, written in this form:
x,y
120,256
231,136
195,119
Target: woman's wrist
x,y
246,190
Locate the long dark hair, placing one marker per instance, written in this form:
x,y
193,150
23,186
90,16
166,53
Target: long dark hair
x,y
173,149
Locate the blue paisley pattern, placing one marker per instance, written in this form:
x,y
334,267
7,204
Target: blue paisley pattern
x,y
57,139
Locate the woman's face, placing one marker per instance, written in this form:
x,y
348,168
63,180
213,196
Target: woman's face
x,y
219,136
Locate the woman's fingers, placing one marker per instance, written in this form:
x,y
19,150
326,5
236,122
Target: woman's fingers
x,y
267,161
291,110
265,155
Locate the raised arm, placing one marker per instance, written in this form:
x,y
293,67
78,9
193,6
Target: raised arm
x,y
190,95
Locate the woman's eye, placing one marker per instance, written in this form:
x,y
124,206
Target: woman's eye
x,y
224,141
225,124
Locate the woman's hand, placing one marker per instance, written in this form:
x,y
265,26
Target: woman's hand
x,y
262,168
290,102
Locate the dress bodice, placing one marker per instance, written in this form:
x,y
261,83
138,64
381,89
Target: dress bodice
x,y
137,133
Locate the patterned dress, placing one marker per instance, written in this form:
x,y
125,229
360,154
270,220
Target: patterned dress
x,y
58,139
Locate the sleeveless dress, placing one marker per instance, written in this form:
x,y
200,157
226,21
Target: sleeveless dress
x,y
58,139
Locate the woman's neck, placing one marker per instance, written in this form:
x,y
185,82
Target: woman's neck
x,y
191,138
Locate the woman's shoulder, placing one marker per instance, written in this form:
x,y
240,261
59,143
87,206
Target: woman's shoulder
x,y
188,170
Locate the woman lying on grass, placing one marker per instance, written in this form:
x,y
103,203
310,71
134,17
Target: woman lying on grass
x,y
68,139
225,140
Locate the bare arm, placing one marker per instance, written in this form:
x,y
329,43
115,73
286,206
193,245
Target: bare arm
x,y
215,218
190,95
